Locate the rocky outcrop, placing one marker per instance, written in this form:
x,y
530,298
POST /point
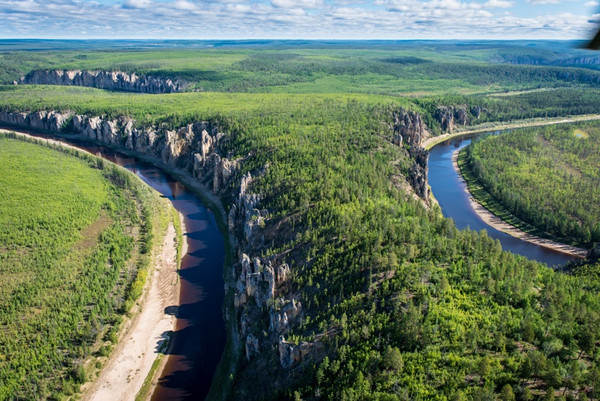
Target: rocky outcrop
x,y
408,128
283,271
451,117
111,80
252,348
290,354
44,120
279,319
259,280
476,111
417,176
193,147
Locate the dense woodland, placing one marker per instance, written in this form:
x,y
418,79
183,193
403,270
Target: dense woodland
x,y
399,303
75,239
407,68
407,306
549,177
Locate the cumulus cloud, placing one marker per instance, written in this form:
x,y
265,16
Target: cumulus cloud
x,y
498,4
311,4
184,5
543,1
134,4
214,19
591,4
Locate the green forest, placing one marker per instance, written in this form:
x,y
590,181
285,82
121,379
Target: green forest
x,y
548,177
75,242
409,68
406,305
397,303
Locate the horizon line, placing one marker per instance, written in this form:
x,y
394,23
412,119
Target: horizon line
x,y
310,39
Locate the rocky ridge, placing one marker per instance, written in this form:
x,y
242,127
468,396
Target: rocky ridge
x,y
195,148
451,117
110,80
265,309
408,128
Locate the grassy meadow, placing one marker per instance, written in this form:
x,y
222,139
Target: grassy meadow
x,y
75,243
405,68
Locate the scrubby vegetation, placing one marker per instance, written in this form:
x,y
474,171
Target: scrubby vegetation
x,y
75,239
548,177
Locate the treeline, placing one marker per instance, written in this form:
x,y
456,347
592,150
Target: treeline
x,y
546,103
548,177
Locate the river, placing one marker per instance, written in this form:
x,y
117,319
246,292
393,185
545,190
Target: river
x,y
199,337
451,193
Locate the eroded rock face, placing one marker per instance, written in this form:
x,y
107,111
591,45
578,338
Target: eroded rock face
x,y
177,145
193,147
408,128
111,80
45,120
279,319
417,176
290,354
252,347
283,271
451,117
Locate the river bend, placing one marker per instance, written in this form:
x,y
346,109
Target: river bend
x,y
199,337
451,192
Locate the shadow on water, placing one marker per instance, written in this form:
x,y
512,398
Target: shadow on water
x,y
198,340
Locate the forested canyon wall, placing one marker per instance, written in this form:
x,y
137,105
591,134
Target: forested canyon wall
x,y
265,308
257,283
110,80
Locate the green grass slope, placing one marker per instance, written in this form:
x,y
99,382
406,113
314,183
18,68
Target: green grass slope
x,y
75,241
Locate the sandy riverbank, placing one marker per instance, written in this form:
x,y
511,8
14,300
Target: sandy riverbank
x,y
123,375
496,222
131,361
432,141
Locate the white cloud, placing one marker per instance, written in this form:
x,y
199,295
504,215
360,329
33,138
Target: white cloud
x,y
133,4
591,4
498,4
210,19
310,4
184,5
543,1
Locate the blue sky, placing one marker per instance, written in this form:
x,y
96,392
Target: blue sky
x,y
300,19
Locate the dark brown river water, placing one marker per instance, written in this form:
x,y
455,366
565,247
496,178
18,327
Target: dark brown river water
x,y
199,337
